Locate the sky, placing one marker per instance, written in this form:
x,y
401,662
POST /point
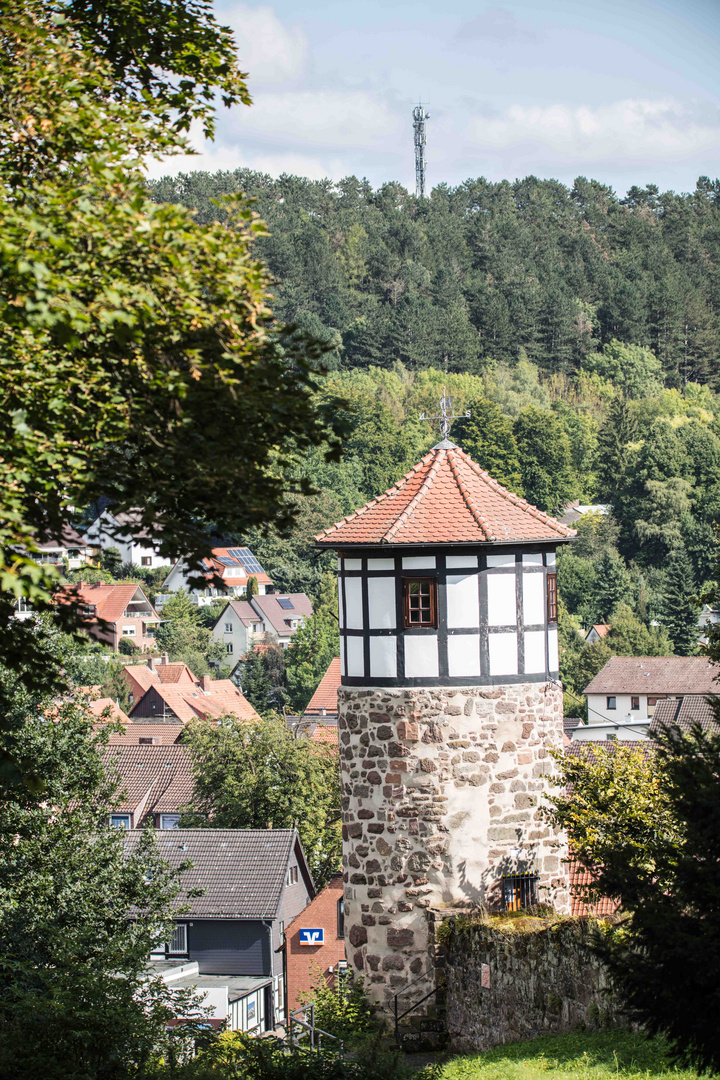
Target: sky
x,y
623,91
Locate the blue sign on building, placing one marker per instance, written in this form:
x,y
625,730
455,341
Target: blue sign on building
x,y
315,936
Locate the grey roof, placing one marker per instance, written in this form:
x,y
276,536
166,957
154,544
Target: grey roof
x,y
685,711
596,748
160,777
655,675
279,617
238,986
241,871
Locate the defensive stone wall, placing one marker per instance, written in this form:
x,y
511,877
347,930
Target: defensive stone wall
x,y
508,982
441,792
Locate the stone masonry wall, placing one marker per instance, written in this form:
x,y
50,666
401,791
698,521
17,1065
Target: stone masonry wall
x,y
440,799
510,984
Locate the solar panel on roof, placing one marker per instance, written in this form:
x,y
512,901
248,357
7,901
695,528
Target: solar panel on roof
x,y
285,603
246,557
226,562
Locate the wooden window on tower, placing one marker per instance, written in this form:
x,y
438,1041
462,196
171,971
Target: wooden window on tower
x,y
552,597
420,601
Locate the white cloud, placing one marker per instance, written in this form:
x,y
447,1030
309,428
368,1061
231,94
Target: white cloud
x,y
322,118
271,52
633,129
215,158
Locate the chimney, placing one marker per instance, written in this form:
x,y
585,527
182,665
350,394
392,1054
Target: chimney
x,y
205,683
151,663
164,659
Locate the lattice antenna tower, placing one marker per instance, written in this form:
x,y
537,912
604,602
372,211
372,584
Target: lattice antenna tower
x,y
419,118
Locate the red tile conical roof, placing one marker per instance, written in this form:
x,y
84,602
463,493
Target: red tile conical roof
x,y
445,499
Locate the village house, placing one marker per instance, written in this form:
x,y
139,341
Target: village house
x,y
207,699
125,532
226,573
623,696
140,677
70,550
253,882
597,633
155,782
314,944
114,613
270,619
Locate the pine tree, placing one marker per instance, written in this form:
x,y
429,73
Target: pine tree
x,y
619,429
679,611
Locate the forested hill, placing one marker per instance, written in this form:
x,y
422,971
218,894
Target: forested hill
x,y
507,271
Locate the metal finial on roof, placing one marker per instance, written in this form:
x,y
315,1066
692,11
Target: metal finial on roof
x,y
446,416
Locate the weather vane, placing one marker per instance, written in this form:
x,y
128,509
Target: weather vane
x,y
446,416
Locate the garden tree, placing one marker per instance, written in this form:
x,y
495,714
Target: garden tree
x,y
79,914
183,635
577,580
613,446
111,561
258,776
629,636
680,605
596,533
544,451
251,589
135,342
262,679
647,828
487,436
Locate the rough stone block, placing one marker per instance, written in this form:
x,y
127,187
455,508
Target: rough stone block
x,y
400,939
357,936
408,730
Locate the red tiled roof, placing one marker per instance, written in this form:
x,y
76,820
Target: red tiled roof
x,y
325,733
158,779
600,629
324,700
166,734
655,675
110,601
193,702
445,499
99,706
580,879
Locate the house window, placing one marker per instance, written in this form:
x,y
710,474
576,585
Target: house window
x,y
552,597
229,647
634,703
292,877
611,738
228,628
341,917
169,821
611,703
519,891
128,631
120,821
146,560
178,941
150,631
420,601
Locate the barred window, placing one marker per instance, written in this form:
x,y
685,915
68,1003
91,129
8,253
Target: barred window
x,y
519,891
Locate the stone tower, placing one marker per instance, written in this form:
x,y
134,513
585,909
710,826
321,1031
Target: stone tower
x,y
448,708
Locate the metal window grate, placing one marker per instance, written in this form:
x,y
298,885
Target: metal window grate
x,y
519,891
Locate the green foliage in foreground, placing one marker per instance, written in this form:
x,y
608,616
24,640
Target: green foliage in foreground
x,y
259,776
648,829
582,1055
235,1056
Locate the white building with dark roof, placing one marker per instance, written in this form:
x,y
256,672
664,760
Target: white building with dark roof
x,y
225,574
126,532
623,696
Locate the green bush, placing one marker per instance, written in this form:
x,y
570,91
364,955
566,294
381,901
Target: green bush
x,y
343,1009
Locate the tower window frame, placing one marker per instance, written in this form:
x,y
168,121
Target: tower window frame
x,y
552,604
420,602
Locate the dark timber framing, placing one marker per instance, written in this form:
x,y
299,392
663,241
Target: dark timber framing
x,y
440,574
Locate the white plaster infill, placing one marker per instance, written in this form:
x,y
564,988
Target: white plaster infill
x,y
623,729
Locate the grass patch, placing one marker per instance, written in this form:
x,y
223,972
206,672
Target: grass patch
x,y
581,1055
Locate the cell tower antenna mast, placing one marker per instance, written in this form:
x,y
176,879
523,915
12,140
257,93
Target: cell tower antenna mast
x,y
419,118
